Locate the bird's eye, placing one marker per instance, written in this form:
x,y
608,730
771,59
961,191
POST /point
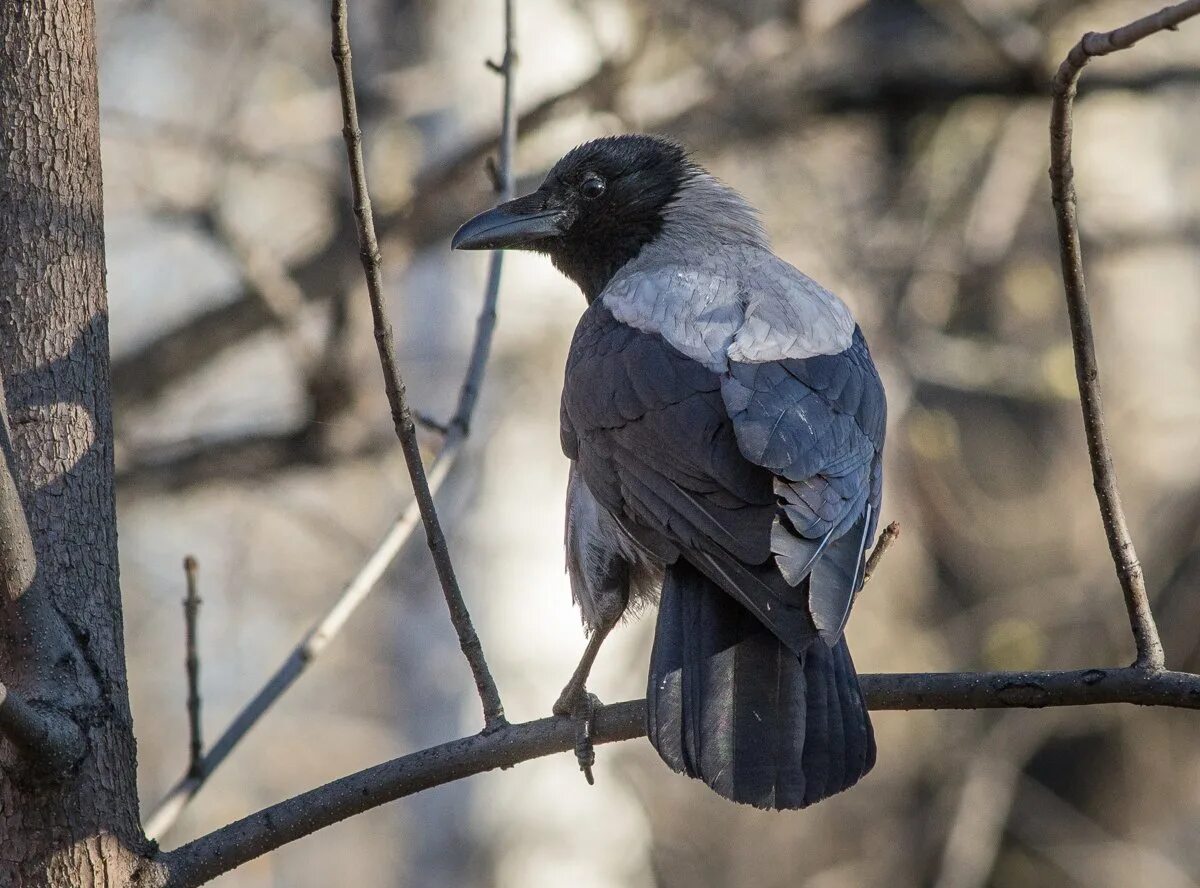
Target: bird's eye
x,y
591,187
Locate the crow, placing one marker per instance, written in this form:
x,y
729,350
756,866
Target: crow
x,y
725,425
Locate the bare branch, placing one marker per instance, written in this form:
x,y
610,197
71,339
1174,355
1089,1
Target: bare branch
x,y
220,851
191,614
493,709
306,651
505,187
250,457
356,591
1129,569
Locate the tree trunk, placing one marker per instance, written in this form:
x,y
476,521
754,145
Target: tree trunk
x,y
61,646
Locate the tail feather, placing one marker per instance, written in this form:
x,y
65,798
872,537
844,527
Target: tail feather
x,y
729,704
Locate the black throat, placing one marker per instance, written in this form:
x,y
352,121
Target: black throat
x,y
592,262
610,233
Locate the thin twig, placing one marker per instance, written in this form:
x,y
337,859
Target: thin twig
x,y
505,187
191,614
493,709
231,846
361,585
1129,569
890,534
305,652
468,639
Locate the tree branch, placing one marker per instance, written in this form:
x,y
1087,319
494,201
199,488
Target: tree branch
x,y
220,851
1129,569
49,740
303,654
468,639
493,709
505,188
361,585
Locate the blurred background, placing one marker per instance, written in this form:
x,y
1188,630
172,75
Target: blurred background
x,y
898,151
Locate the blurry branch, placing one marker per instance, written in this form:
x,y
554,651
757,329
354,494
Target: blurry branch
x,y
1014,41
147,372
356,591
1087,852
322,364
504,183
785,100
48,739
191,615
230,846
274,286
975,364
1006,188
986,800
250,457
1062,183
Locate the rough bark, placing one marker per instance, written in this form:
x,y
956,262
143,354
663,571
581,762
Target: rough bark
x,y
60,642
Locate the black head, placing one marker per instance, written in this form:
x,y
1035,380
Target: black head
x,y
598,207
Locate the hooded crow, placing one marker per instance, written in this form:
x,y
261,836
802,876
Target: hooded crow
x,y
725,424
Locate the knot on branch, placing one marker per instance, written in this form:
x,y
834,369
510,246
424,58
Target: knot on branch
x,y
1026,695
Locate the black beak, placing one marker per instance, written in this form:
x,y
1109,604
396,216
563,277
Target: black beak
x,y
517,223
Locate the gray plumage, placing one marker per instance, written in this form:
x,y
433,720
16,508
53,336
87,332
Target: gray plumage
x,y
725,424
608,572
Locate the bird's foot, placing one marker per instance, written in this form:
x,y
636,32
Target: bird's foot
x,y
570,698
582,707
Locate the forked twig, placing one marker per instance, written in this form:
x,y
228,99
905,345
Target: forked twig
x,y
406,431
363,583
1062,183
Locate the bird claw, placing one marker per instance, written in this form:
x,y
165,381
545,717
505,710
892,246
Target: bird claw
x,y
585,752
569,699
582,711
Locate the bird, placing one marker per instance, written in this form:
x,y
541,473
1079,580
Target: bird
x,y
724,422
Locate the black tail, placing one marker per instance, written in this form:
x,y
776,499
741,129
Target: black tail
x,y
730,705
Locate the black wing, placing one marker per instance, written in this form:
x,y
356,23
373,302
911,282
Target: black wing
x,y
711,466
818,425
